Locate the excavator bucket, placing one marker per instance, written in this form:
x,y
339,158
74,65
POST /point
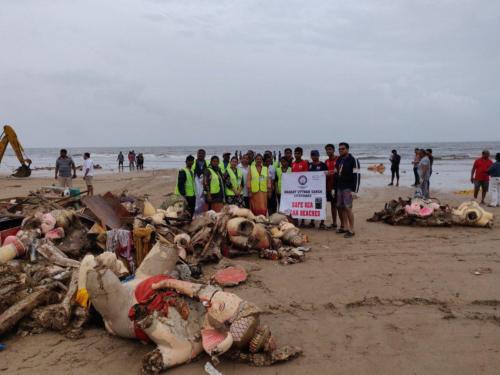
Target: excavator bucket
x,y
9,136
22,171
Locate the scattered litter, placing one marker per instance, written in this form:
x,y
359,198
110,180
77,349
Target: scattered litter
x,y
482,271
230,276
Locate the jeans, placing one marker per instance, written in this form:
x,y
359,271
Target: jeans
x,y
424,186
417,178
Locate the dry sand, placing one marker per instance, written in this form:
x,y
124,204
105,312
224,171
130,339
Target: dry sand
x,y
392,300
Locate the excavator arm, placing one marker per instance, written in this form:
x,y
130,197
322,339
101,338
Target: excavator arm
x,y
10,136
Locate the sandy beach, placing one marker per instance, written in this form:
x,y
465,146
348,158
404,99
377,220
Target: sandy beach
x,y
391,300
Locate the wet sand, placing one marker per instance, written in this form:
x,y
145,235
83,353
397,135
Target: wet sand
x,y
391,300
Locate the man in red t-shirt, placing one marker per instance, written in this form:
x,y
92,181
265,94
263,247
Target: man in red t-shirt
x,y
299,165
479,175
330,192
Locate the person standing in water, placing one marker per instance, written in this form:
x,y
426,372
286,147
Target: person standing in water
x,y
415,162
395,160
120,160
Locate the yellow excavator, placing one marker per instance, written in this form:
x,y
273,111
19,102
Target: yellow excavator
x,y
10,136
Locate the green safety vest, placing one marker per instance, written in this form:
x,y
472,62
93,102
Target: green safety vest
x,y
235,180
279,173
214,181
259,182
222,168
189,187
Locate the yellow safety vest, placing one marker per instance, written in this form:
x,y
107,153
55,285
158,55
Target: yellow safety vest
x,y
235,180
279,173
194,164
259,182
214,181
189,186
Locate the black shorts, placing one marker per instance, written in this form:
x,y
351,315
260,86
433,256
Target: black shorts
x,y
330,195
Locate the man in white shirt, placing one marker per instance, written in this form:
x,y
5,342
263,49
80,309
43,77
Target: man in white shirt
x,y
244,170
88,173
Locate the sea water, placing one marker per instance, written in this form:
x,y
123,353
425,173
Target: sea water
x,y
451,171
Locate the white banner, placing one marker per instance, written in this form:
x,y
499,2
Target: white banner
x,y
303,195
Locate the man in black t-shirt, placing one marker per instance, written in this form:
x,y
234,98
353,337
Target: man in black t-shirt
x,y
395,160
346,181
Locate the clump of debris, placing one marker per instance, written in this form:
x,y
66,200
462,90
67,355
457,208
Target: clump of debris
x,y
49,244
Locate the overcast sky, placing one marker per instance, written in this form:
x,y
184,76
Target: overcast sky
x,y
181,72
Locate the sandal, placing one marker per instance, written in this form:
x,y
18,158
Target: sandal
x,y
322,226
341,231
349,234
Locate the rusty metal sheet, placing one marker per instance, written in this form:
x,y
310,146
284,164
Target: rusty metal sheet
x,y
103,211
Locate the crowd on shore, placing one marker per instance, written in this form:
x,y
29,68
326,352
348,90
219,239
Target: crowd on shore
x,y
485,174
253,180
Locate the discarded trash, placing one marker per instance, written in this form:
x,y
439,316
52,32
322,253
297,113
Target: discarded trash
x,y
421,212
230,276
211,370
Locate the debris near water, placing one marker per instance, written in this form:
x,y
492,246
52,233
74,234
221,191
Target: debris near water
x,y
431,213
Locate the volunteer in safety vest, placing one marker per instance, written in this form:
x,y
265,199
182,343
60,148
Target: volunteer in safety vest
x,y
185,185
258,185
213,185
283,168
226,156
233,179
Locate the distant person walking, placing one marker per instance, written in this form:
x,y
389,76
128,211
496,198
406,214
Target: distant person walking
x,y
479,175
131,160
395,160
120,159
415,162
64,165
424,173
494,173
140,161
88,173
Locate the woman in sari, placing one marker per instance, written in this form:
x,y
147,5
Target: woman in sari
x,y
259,186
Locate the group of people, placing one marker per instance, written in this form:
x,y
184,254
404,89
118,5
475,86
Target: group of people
x,y
65,171
485,174
254,181
422,170
134,161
